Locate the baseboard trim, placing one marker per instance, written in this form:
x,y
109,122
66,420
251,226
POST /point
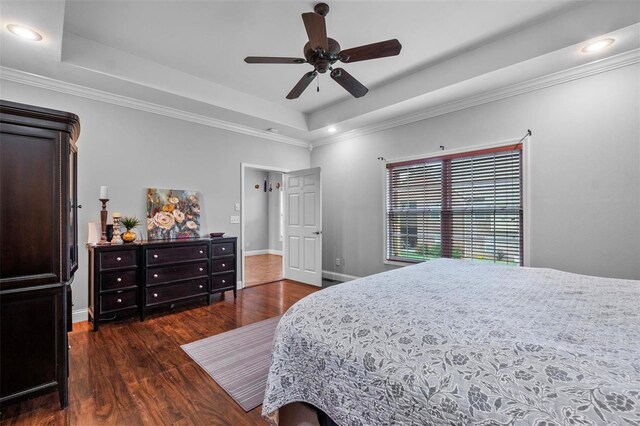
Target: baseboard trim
x,y
239,285
80,315
338,277
255,252
259,252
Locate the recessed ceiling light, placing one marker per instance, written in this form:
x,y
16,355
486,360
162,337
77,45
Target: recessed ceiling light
x,y
24,32
594,46
331,129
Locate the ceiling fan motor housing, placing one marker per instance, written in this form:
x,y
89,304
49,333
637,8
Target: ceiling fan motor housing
x,y
322,60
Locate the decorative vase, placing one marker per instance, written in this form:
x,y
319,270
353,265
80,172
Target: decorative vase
x,y
129,236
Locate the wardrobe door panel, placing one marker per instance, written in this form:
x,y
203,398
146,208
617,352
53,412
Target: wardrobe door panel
x,y
30,214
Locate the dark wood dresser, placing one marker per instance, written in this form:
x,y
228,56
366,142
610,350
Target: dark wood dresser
x,y
137,278
223,264
113,281
38,248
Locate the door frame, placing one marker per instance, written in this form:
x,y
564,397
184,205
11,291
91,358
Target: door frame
x,y
243,167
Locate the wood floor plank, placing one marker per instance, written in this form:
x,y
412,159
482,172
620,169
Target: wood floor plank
x,y
262,268
133,373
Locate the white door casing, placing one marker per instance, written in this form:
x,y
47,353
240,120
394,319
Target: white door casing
x,y
303,226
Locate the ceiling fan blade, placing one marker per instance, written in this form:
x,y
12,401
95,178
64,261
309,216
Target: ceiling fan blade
x,y
371,51
349,83
302,84
316,30
273,60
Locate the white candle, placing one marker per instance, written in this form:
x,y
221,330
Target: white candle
x,y
116,215
104,193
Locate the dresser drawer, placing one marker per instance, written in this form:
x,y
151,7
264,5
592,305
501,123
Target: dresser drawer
x,y
117,259
221,265
174,273
174,292
222,249
117,301
116,280
222,281
159,256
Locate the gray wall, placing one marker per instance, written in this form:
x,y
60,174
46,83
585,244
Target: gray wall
x,y
255,211
585,175
274,213
130,150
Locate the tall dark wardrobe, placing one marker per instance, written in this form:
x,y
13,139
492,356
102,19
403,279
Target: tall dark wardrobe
x,y
38,248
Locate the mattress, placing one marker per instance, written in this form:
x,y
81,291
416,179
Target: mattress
x,y
462,342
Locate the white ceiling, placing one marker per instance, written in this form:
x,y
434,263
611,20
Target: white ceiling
x,y
188,55
211,39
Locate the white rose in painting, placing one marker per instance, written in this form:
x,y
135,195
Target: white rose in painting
x,y
149,223
178,216
191,225
164,220
174,200
196,209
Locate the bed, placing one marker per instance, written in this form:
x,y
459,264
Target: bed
x,y
458,342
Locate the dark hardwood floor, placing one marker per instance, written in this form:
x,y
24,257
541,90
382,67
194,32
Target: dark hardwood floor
x,y
131,373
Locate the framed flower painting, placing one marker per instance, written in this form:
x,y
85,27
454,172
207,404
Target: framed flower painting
x,y
172,213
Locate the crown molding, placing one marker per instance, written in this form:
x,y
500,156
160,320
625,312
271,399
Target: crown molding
x,y
565,76
604,65
22,77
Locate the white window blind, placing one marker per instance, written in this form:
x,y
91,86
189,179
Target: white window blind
x,y
459,206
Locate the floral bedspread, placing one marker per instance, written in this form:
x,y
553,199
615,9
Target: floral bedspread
x,y
451,342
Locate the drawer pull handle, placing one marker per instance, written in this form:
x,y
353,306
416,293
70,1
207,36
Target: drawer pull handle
x,y
223,265
118,259
200,286
155,275
201,252
155,294
224,249
119,300
201,269
119,280
155,256
223,281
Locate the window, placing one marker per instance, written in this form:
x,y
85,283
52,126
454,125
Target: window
x,y
459,206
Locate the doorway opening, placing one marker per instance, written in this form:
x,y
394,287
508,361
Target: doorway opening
x,y
262,225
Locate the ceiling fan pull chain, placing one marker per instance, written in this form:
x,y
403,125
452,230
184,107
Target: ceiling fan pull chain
x,y
318,84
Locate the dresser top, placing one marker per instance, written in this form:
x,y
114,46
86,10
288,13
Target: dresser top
x,y
148,243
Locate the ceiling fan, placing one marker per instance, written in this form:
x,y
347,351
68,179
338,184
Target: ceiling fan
x,y
322,52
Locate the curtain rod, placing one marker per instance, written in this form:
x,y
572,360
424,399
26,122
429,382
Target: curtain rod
x,y
526,135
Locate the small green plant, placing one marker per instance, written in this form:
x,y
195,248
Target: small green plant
x,y
130,222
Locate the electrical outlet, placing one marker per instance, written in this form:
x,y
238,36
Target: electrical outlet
x,y
237,207
234,219
338,261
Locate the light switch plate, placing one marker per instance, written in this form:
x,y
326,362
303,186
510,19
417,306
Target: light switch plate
x,y
234,219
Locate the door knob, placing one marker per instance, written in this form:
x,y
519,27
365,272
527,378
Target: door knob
x,y
317,233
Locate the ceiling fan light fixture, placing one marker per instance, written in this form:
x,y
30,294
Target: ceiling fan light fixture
x,y
597,45
24,32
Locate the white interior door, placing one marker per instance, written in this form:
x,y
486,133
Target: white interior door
x,y
303,226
